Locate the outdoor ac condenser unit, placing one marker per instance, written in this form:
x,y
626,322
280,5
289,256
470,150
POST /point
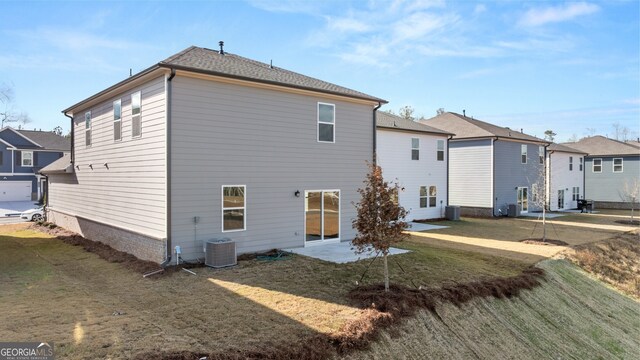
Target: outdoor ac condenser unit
x,y
220,253
513,210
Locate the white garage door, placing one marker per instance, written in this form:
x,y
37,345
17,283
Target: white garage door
x,y
15,190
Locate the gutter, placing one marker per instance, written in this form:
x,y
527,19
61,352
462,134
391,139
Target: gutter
x,y
493,176
169,251
448,185
375,136
72,138
547,177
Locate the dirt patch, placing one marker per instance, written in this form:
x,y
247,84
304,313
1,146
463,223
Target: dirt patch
x,y
628,222
426,221
104,251
547,242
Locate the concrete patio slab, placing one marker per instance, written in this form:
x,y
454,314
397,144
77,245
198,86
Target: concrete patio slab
x,y
415,226
14,208
339,253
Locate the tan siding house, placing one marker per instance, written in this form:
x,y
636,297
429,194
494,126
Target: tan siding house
x,y
229,147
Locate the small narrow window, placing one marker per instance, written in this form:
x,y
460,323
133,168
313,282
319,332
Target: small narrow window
x,y
597,165
424,197
541,154
326,122
117,120
432,196
523,154
576,193
415,149
617,165
27,158
233,208
440,150
87,128
136,115
570,163
581,159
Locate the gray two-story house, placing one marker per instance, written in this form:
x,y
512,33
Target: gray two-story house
x,y
22,154
491,167
610,166
207,144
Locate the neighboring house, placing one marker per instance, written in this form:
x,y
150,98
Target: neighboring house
x,y
207,144
565,177
414,155
609,165
490,167
22,154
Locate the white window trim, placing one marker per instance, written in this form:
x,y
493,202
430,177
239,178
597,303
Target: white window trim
x,y
88,129
541,154
429,197
323,240
613,165
581,163
415,148
570,163
119,101
318,122
524,153
139,114
22,153
593,166
244,220
438,142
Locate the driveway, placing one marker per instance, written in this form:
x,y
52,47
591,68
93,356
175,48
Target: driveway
x,y
14,208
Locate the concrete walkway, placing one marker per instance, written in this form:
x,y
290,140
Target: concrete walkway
x,y
8,208
339,253
415,226
622,228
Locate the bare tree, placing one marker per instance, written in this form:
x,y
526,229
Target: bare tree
x,y
380,221
440,111
630,193
57,130
621,132
590,131
539,194
573,138
549,135
8,114
407,112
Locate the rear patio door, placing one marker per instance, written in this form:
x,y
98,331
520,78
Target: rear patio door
x,y
321,216
560,199
523,199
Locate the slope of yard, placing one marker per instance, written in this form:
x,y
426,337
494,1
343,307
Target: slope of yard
x,y
571,316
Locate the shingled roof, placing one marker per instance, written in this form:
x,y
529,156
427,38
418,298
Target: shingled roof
x,y
61,166
47,139
602,146
467,128
563,148
386,120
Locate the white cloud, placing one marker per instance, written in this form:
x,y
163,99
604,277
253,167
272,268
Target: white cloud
x,y
75,40
555,14
635,101
419,24
347,25
479,9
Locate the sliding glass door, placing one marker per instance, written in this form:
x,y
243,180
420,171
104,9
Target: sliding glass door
x,y
322,215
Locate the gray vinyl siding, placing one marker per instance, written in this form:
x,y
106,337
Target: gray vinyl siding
x,y
510,172
470,173
227,134
607,185
130,193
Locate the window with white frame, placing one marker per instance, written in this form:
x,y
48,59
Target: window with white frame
x,y
440,150
617,165
415,149
576,193
570,163
117,120
523,153
597,165
432,196
326,122
27,158
234,208
87,128
541,154
428,196
581,160
136,115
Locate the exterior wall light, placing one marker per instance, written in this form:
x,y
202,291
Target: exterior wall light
x,y
296,193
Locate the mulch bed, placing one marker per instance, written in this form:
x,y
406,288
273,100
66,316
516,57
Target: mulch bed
x,y
548,242
426,221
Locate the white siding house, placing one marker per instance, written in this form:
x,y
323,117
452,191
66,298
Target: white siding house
x,y
415,156
565,177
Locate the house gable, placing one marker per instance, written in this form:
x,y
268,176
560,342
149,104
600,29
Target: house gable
x,y
18,140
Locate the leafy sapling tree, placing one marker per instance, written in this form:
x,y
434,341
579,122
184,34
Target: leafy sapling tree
x,y
380,222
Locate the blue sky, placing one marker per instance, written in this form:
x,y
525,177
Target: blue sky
x,y
573,67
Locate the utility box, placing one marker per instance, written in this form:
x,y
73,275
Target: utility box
x,y
452,212
220,253
513,210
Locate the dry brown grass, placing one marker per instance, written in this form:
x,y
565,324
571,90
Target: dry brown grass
x,y
615,261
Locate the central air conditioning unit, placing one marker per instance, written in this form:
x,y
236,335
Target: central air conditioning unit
x,y
220,253
513,210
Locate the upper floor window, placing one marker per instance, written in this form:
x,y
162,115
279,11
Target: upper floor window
x,y
523,153
597,165
233,208
117,120
541,154
415,149
136,115
581,159
617,165
87,128
27,158
326,122
440,150
570,163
